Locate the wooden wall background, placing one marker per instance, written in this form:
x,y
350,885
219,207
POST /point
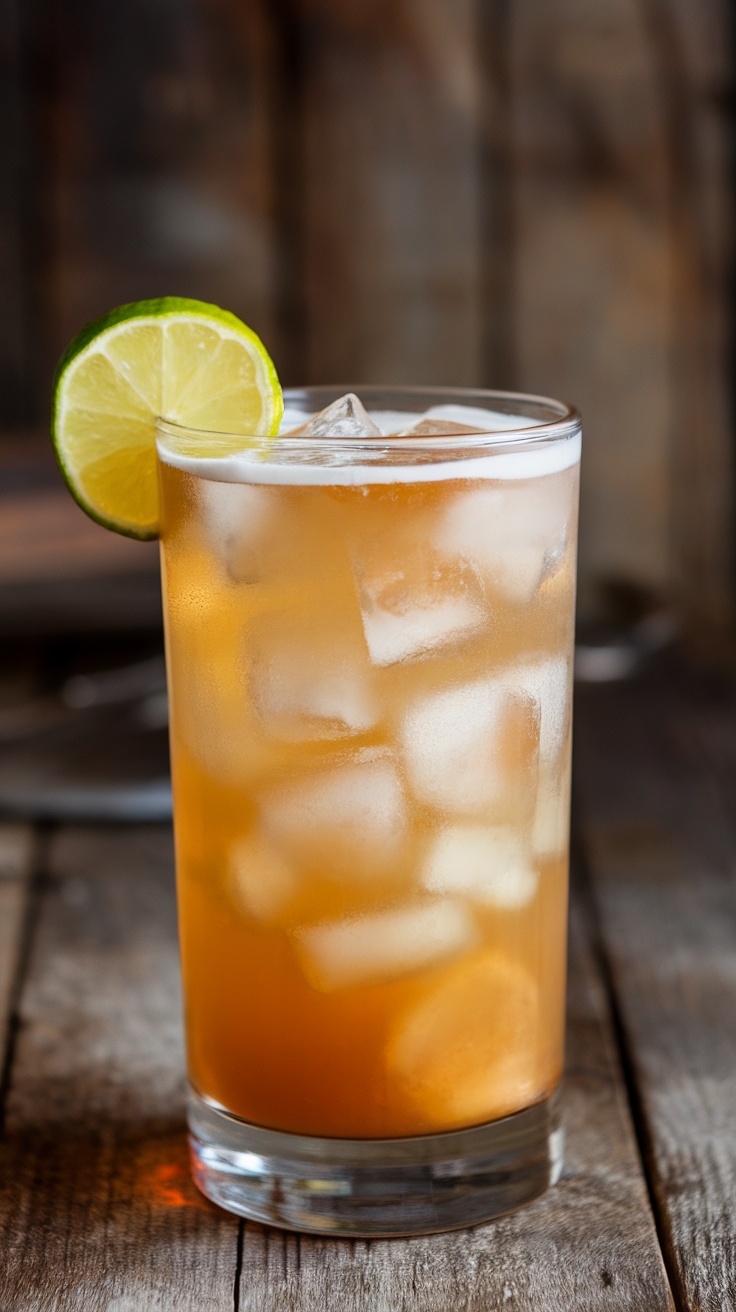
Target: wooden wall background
x,y
505,192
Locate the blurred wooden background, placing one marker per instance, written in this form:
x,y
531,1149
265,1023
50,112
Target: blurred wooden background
x,y
501,192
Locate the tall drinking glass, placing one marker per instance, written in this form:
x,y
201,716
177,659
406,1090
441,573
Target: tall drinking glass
x,y
369,645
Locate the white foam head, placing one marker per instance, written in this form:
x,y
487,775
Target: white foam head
x,y
518,458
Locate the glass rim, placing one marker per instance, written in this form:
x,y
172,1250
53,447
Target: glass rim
x,y
563,421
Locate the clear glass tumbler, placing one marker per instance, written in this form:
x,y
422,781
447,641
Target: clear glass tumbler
x,y
369,644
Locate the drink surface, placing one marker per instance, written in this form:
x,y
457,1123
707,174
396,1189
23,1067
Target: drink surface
x,y
370,732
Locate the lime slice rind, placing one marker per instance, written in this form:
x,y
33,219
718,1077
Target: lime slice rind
x,y
120,372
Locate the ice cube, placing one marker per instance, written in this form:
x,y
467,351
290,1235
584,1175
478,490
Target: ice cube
x,y
487,862
551,827
310,677
413,604
436,428
237,518
348,819
514,534
547,683
262,881
394,637
453,746
210,708
385,945
346,417
479,420
467,1050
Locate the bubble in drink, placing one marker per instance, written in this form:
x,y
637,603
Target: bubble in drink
x,y
346,417
385,945
489,863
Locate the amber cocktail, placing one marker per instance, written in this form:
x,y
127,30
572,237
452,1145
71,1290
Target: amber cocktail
x,y
369,644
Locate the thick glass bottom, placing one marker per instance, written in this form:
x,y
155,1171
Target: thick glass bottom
x,y
374,1187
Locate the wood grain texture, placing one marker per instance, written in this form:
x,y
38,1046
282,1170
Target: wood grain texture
x,y
592,266
500,192
496,170
17,372
392,243
97,1210
655,769
589,1244
691,50
16,863
158,158
622,250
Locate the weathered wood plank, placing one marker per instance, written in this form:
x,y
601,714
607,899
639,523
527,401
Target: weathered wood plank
x,y
655,769
691,52
589,1244
159,181
16,861
17,370
592,266
97,1210
392,242
496,194
621,255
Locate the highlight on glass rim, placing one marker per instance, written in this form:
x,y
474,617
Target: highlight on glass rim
x,y
369,623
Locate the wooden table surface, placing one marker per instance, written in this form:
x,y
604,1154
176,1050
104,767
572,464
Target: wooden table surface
x,y
98,1213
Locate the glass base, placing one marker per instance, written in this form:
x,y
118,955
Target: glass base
x,y
374,1187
